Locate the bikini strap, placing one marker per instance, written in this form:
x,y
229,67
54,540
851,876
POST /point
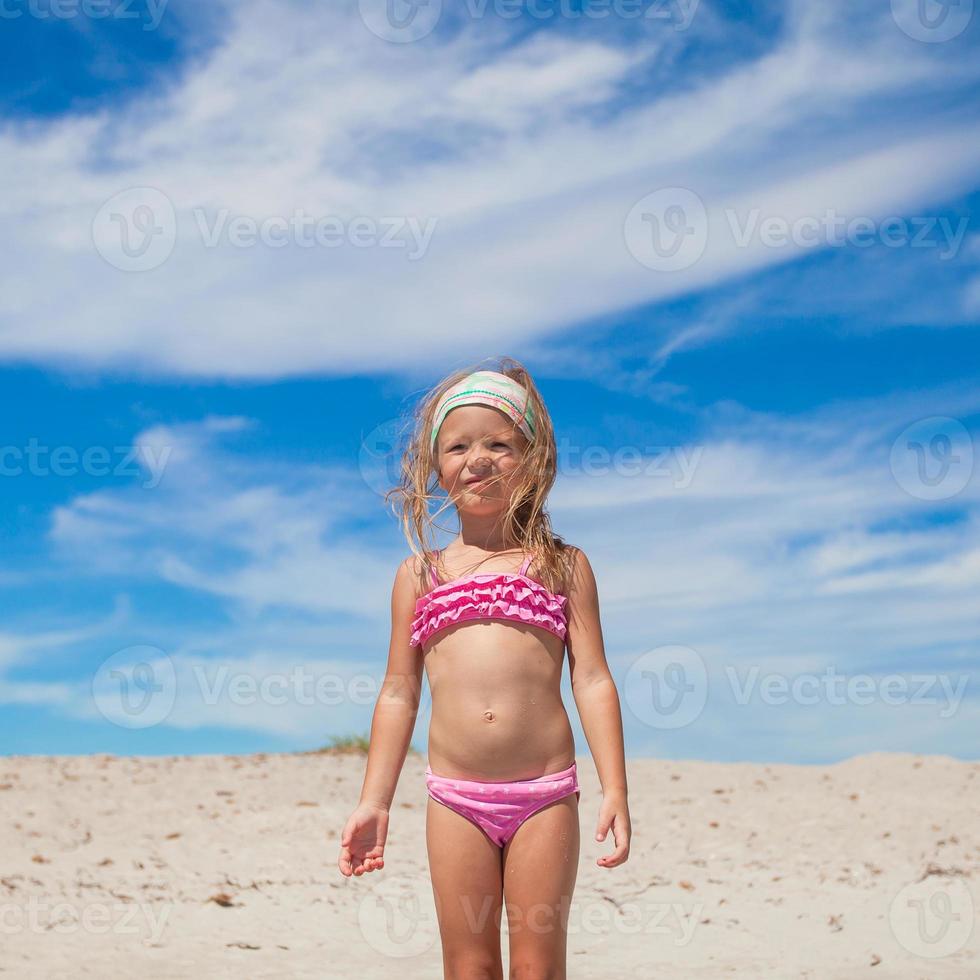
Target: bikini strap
x,y
525,565
432,570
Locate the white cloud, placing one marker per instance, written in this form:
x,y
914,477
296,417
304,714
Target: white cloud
x,y
23,648
213,523
548,76
503,146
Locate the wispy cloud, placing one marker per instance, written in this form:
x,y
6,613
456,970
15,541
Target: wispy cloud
x,y
217,524
525,152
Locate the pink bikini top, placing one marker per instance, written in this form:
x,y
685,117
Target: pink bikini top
x,y
491,595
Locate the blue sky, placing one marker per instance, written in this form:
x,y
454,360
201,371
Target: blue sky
x,y
805,403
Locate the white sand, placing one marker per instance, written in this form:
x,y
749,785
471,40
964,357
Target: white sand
x,y
109,867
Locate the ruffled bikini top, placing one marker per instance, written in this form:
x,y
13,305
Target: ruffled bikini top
x,y
491,595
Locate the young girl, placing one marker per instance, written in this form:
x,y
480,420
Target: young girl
x,y
490,617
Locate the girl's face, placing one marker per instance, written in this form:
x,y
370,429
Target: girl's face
x,y
479,443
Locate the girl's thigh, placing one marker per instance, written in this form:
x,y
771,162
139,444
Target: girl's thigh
x,y
540,866
465,867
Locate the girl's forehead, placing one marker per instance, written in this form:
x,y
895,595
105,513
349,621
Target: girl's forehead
x,y
476,420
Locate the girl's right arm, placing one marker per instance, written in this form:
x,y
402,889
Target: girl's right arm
x,y
363,838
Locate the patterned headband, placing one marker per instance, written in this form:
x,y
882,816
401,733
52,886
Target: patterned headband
x,y
487,388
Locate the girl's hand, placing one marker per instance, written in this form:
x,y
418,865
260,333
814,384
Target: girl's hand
x,y
614,813
362,844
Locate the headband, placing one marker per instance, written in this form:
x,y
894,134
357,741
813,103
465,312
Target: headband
x,y
487,388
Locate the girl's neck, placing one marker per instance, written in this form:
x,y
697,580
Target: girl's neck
x,y
484,534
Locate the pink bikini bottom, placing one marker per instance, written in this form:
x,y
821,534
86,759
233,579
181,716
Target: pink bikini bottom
x,y
499,808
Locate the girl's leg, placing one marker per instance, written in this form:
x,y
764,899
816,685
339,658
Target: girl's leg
x,y
466,882
540,866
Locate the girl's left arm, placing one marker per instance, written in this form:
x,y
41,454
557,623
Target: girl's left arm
x,y
598,706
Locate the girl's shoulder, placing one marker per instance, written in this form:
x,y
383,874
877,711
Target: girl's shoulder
x,y
418,571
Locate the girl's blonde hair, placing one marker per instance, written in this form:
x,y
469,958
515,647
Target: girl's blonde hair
x,y
526,521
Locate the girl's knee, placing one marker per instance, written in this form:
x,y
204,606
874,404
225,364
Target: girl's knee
x,y
534,969
472,966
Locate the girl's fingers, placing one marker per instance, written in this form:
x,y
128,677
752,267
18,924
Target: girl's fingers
x,y
613,860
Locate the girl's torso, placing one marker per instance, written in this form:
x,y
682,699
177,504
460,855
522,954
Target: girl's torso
x,y
495,683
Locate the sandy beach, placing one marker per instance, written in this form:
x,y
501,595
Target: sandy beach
x,y
225,866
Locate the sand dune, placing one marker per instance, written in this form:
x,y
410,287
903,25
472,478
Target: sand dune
x,y
225,866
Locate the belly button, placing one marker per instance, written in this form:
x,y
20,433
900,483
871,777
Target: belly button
x,y
488,715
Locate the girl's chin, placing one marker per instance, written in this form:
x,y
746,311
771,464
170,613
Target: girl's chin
x,y
477,499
